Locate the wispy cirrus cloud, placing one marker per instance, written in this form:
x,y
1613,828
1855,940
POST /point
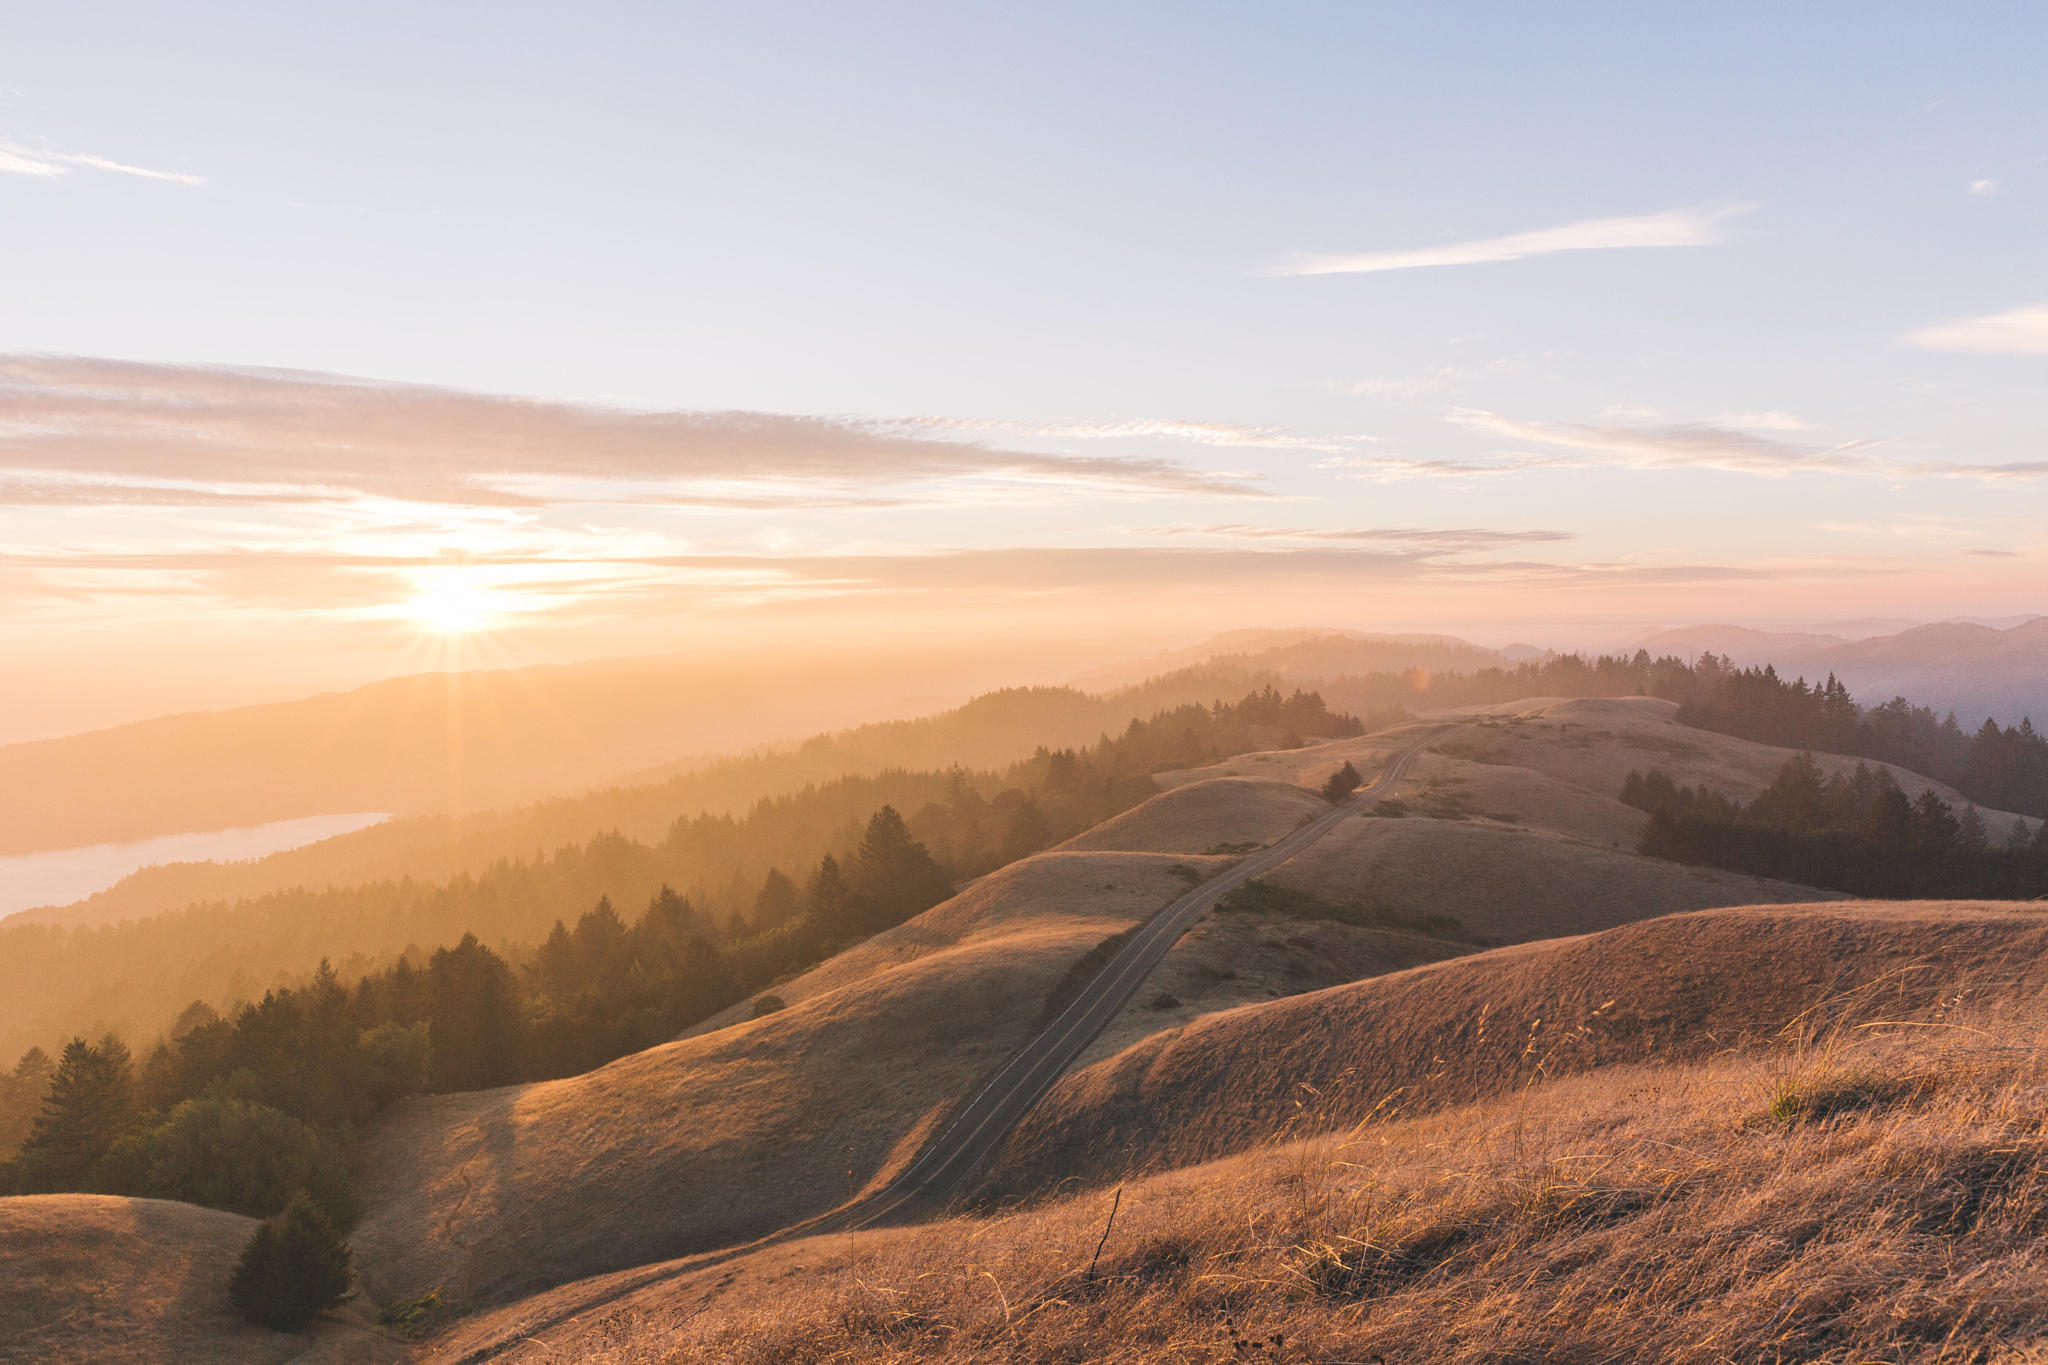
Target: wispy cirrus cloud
x,y
1445,539
1150,428
1695,445
2018,331
175,435
1674,227
1402,469
45,164
1703,445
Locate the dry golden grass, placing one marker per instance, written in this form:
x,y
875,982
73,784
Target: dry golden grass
x,y
1518,854
1505,885
1308,767
91,1278
1593,744
1636,1214
1198,817
1669,990
728,1135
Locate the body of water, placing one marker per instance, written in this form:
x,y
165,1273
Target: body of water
x,y
64,875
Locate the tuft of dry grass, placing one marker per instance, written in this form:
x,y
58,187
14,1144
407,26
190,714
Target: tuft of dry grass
x,y
1635,1214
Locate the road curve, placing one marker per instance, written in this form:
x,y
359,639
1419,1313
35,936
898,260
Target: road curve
x,y
1002,1104
989,1118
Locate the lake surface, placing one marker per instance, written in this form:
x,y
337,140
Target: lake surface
x,y
64,875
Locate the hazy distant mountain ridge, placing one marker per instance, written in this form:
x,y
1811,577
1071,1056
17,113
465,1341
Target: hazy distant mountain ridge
x,y
1972,669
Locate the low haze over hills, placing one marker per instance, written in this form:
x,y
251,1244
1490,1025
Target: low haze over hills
x,y
1975,670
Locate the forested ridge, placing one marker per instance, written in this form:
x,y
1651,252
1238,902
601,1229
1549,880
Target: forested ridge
x,y
302,1067
989,733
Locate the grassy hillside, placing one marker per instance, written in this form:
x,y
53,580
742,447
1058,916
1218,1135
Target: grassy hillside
x,y
92,1279
1667,990
734,1133
1832,1193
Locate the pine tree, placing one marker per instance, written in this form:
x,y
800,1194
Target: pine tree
x,y
90,1105
474,1019
775,903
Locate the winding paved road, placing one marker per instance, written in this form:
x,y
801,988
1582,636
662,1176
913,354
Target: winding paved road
x,y
1002,1104
1004,1101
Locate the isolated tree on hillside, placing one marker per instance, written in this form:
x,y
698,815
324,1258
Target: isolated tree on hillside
x,y
1342,783
294,1267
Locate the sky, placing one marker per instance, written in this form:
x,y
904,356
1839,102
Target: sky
x,y
343,341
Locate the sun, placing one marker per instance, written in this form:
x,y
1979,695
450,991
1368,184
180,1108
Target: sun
x,y
450,607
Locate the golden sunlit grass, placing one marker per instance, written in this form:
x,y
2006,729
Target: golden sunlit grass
x,y
1637,1214
735,1132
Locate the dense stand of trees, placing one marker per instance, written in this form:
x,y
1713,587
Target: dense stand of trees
x,y
250,1109
1857,833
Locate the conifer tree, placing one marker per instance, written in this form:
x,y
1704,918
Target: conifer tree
x,y
294,1267
90,1106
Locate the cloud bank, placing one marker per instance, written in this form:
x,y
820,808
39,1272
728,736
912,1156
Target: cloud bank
x,y
1675,227
120,431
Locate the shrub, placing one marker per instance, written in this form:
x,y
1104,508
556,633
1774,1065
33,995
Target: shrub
x,y
294,1267
767,1005
1342,783
409,1317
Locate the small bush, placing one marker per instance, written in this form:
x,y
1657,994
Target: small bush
x,y
409,1317
294,1268
767,1005
1342,783
1819,1099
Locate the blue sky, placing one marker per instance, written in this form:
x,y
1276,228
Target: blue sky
x,y
1061,231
